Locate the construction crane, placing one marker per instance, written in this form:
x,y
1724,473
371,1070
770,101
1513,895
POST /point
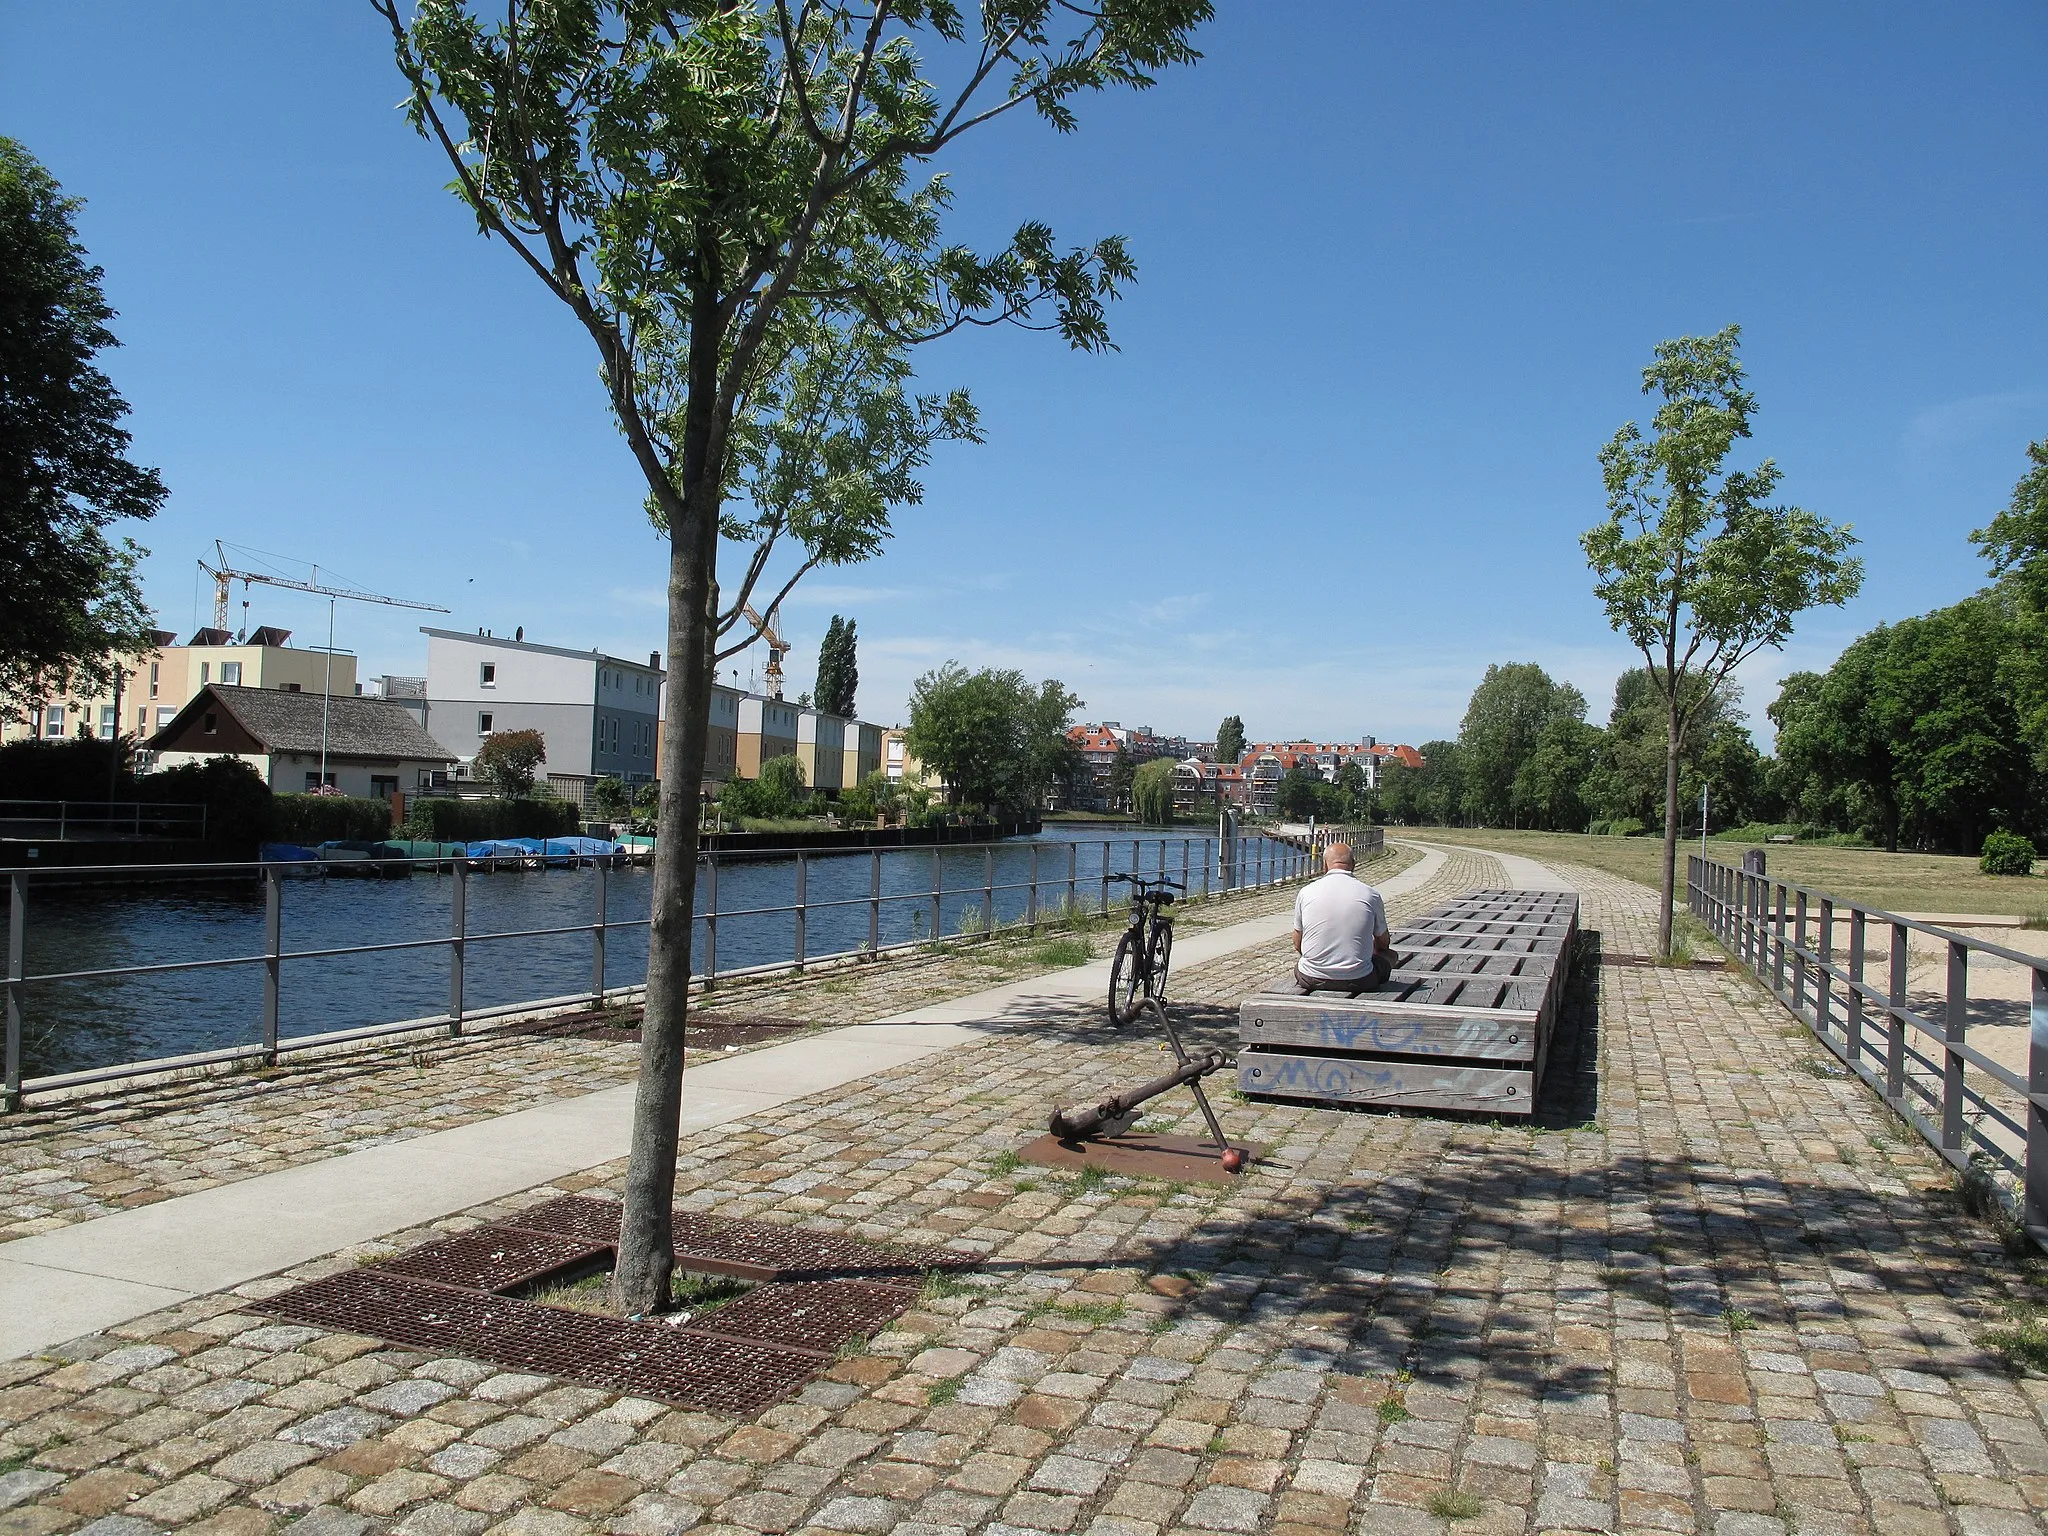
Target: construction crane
x,y
777,646
223,573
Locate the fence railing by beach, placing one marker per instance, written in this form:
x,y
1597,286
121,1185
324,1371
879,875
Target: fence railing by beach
x,y
62,820
1057,878
1915,1046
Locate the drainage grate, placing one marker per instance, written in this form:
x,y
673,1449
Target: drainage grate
x,y
813,1314
754,1249
750,1353
496,1258
678,1365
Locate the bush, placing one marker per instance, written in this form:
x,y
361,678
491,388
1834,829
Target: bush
x,y
328,818
1620,826
2007,853
508,759
238,803
61,770
776,794
434,819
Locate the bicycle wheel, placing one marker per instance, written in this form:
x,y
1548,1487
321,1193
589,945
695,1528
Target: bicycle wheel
x,y
1161,955
1126,982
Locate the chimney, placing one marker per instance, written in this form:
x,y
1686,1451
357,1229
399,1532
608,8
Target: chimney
x,y
654,661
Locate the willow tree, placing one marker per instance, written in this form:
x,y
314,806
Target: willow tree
x,y
731,198
1693,564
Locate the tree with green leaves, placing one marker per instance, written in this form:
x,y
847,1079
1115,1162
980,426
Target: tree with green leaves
x,y
509,760
730,201
1230,739
1123,775
73,603
998,742
1298,794
838,669
1152,792
1693,563
1504,720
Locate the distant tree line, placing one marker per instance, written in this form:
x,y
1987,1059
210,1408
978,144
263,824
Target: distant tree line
x,y
1930,733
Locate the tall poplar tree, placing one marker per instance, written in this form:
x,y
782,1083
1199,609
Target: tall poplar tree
x,y
838,668
729,199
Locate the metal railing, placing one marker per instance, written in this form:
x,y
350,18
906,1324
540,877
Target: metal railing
x,y
63,819
1205,865
1812,950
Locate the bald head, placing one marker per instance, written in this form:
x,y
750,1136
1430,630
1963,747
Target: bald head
x,y
1337,856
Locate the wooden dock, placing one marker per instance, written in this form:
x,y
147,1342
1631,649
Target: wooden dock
x,y
1464,1023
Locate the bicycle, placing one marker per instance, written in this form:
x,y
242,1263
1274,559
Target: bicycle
x,y
1138,974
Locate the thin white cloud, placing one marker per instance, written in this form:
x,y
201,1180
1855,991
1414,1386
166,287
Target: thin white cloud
x,y
1939,428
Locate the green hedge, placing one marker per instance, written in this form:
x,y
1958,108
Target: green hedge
x,y
311,819
439,820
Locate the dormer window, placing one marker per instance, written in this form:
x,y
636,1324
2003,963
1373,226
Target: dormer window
x,y
487,675
210,724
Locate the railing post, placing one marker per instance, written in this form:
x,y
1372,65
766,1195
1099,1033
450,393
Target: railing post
x,y
1105,879
988,890
1205,869
1853,1025
17,969
458,927
1799,957
1823,983
2035,1212
1073,876
1031,900
710,922
1186,844
1895,1027
938,886
1952,1042
597,937
803,891
874,904
1778,960
273,948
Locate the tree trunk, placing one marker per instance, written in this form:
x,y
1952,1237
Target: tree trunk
x,y
646,1252
1671,745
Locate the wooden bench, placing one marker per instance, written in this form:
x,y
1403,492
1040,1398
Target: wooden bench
x,y
1464,1022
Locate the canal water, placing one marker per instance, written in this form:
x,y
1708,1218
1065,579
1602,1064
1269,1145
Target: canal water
x,y
70,1026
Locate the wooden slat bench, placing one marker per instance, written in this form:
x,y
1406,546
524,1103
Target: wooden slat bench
x,y
1464,1022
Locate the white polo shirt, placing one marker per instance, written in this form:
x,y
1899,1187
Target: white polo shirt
x,y
1338,917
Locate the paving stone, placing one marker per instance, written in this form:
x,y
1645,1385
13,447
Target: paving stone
x,y
23,1484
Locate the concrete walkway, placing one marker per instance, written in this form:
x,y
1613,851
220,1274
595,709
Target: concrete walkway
x,y
58,1285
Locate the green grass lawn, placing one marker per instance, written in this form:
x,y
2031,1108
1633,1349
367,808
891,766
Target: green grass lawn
x,y
1897,882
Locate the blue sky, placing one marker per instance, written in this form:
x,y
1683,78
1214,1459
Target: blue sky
x,y
1400,268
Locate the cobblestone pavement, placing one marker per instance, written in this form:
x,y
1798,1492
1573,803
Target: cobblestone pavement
x,y
1710,1291
73,1161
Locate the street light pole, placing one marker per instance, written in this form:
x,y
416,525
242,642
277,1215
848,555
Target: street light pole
x,y
327,687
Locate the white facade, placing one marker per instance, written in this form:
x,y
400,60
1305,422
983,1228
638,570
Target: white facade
x,y
597,713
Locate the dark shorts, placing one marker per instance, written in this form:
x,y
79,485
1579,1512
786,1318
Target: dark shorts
x,y
1382,968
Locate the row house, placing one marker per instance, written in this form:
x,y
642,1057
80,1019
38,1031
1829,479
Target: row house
x,y
156,684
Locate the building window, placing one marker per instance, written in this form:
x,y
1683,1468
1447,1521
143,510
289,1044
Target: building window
x,y
289,688
141,720
206,672
210,724
53,720
483,723
314,781
153,666
165,715
231,673
108,722
383,786
487,675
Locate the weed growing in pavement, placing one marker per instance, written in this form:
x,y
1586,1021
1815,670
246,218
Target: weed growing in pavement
x,y
14,1461
2021,1343
940,1284
1003,1164
1738,1320
1393,1411
1160,1324
1453,1504
1087,1180
940,1393
853,1346
1025,1186
1094,1312
1216,1445
1813,1067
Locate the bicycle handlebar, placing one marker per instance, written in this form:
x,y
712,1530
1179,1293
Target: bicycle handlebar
x,y
1141,881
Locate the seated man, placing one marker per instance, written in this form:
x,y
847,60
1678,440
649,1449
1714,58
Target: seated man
x,y
1340,930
